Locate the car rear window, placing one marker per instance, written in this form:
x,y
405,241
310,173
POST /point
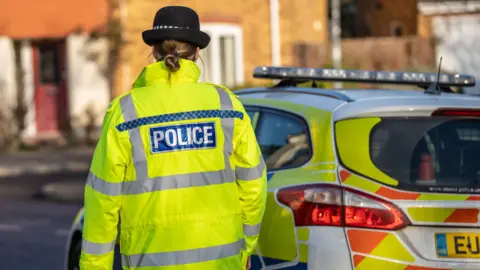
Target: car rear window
x,y
432,151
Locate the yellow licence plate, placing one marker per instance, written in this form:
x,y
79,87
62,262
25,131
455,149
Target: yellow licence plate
x,y
458,245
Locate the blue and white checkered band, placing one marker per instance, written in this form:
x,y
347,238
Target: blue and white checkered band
x,y
168,27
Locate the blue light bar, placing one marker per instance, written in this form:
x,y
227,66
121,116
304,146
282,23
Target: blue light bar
x,y
362,76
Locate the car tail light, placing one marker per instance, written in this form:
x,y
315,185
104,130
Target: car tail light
x,y
457,112
329,205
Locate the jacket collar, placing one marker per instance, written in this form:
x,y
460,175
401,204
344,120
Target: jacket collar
x,y
158,73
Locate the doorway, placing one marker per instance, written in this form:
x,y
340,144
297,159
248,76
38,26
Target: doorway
x,y
49,68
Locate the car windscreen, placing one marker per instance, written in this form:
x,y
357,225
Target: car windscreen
x,y
433,151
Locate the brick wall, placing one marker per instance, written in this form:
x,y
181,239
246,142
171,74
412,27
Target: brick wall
x,y
300,21
371,53
378,16
424,26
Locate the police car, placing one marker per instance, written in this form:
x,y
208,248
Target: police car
x,y
364,179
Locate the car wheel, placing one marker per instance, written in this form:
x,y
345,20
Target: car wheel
x,y
74,260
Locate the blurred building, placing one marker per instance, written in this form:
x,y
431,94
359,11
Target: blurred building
x,y
62,61
241,33
451,26
57,55
378,18
454,25
47,57
376,34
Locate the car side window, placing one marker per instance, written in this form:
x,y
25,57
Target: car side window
x,y
284,140
251,114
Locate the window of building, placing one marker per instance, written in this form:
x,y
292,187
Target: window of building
x,y
396,29
49,64
283,139
223,58
348,18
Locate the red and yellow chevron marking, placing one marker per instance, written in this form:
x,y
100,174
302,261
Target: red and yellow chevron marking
x,y
443,215
367,263
356,181
379,244
463,216
420,214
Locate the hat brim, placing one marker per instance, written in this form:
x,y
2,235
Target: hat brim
x,y
196,37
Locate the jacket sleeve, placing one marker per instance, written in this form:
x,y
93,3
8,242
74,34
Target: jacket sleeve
x,y
103,197
250,171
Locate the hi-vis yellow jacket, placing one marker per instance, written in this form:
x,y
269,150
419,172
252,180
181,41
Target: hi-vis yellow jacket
x,y
179,165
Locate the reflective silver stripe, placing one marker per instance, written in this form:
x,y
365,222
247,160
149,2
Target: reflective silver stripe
x,y
138,151
251,230
95,248
250,173
158,183
227,123
228,129
175,182
102,186
182,257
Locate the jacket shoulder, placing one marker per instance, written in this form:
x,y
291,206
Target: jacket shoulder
x,y
114,103
237,104
222,87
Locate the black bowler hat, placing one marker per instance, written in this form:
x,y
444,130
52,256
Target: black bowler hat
x,y
176,23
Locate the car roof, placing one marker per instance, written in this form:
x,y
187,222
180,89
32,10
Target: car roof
x,y
361,94
347,94
358,101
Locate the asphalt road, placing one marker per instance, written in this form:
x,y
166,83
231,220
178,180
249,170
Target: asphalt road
x,y
33,228
33,232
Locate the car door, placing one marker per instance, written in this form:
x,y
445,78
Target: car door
x,y
285,144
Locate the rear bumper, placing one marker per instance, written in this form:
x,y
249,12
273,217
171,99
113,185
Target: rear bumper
x,y
409,248
365,262
325,248
328,249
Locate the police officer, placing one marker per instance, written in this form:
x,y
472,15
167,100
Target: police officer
x,y
177,162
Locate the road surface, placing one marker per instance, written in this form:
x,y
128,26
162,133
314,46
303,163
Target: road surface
x,y
33,232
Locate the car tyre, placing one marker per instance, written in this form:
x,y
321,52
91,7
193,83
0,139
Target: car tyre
x,y
74,258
